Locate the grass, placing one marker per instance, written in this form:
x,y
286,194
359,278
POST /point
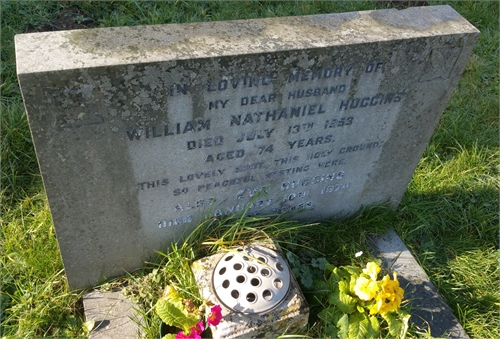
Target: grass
x,y
338,241
448,216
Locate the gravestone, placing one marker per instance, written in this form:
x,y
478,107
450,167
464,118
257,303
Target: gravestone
x,y
142,132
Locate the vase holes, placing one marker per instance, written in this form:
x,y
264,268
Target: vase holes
x,y
278,283
255,282
251,297
267,295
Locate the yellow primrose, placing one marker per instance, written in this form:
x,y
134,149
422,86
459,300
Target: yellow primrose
x,y
372,269
389,297
366,289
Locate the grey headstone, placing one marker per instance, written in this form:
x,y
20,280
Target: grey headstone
x,y
141,132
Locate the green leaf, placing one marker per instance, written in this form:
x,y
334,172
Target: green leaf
x,y
405,319
306,278
343,326
291,259
374,328
330,315
343,286
353,270
334,277
321,286
173,316
358,326
319,263
307,281
393,323
329,268
352,283
331,331
342,272
343,301
89,325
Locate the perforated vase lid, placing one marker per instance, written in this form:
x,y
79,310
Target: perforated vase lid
x,y
251,279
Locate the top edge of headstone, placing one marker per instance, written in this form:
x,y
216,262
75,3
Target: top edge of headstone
x,y
98,47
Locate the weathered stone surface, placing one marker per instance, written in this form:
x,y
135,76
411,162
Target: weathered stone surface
x,y
114,315
141,132
429,311
289,316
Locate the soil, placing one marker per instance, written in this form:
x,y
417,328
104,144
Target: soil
x,y
73,17
401,4
69,18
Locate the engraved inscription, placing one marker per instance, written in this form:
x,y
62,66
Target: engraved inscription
x,y
292,137
255,135
258,99
239,82
307,75
201,175
321,140
339,122
167,129
215,104
226,183
315,92
152,184
360,147
176,221
379,99
249,167
198,203
276,115
229,155
204,143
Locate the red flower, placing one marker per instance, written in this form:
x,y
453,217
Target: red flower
x,y
216,316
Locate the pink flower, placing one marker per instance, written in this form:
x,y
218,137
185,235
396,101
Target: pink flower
x,y
192,335
216,316
199,328
194,332
181,335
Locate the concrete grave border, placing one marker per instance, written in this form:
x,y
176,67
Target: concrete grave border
x,y
429,309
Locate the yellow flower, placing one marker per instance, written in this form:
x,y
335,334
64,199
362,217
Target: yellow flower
x,y
389,297
372,269
366,289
